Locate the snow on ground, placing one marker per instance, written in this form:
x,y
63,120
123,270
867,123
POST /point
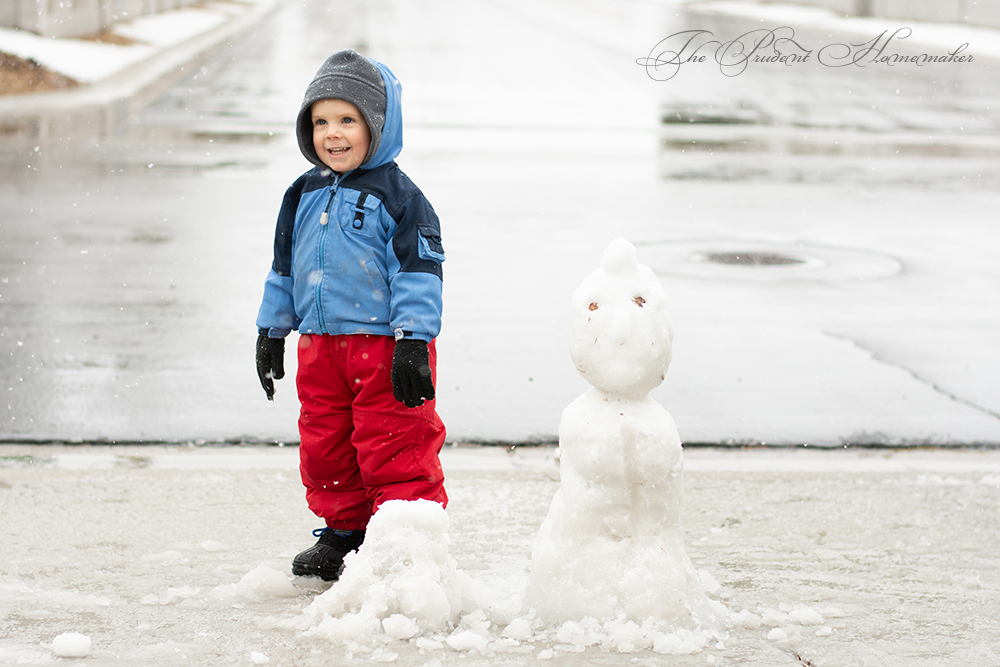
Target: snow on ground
x,y
172,556
89,61
78,59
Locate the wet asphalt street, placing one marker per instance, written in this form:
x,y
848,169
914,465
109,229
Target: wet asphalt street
x,y
134,238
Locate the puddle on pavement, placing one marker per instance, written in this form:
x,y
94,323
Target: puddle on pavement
x,y
111,138
826,145
25,461
702,117
132,462
788,155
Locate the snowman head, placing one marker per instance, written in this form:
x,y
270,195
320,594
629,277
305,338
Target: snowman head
x,y
620,330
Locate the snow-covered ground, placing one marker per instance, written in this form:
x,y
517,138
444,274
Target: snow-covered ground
x,y
181,556
161,44
90,61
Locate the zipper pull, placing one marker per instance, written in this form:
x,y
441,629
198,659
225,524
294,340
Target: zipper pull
x,y
334,181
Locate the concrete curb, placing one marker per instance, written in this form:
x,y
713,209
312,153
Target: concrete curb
x,y
138,81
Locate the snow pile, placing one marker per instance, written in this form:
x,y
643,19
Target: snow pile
x,y
400,584
88,61
71,645
261,583
609,565
403,586
788,623
82,60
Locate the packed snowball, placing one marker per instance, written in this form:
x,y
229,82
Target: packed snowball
x,y
71,645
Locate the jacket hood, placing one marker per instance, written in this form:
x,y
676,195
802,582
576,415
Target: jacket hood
x,y
373,89
391,143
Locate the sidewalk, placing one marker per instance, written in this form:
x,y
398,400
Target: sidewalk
x,y
166,45
173,556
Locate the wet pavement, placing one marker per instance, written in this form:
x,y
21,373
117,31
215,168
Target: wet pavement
x,y
135,240
869,125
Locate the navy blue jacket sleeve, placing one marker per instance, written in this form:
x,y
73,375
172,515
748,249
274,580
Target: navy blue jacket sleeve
x,y
416,254
276,317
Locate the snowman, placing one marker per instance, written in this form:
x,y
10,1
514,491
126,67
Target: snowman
x,y
610,549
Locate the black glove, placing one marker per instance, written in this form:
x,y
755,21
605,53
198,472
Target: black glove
x,y
411,372
270,362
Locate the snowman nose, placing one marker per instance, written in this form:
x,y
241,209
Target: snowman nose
x,y
621,326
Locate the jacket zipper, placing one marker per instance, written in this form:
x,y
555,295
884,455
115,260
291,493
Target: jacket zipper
x,y
324,220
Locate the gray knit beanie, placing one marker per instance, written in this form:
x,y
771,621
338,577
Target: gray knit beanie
x,y
349,76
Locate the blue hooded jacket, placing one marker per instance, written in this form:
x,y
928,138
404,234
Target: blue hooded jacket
x,y
372,265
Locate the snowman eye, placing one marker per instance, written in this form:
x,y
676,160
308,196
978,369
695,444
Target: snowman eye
x,y
593,305
639,301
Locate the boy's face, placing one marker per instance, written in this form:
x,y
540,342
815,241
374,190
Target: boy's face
x,y
340,135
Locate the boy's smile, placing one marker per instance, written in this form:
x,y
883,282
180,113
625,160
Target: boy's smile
x,y
340,135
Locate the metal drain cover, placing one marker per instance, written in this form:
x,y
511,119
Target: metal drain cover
x,y
751,258
761,261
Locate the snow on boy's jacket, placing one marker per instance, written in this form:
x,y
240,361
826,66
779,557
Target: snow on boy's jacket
x,y
375,266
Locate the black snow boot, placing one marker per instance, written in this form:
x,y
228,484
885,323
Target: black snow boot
x,y
325,559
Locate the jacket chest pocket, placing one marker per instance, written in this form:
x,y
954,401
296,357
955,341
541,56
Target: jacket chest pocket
x,y
360,217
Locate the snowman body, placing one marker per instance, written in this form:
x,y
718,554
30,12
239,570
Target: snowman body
x,y
620,465
611,546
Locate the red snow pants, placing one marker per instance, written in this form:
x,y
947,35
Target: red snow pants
x,y
360,446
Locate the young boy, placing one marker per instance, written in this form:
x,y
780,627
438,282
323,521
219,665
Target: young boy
x,y
357,271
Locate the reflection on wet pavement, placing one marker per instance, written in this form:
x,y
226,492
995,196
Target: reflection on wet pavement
x,y
812,123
